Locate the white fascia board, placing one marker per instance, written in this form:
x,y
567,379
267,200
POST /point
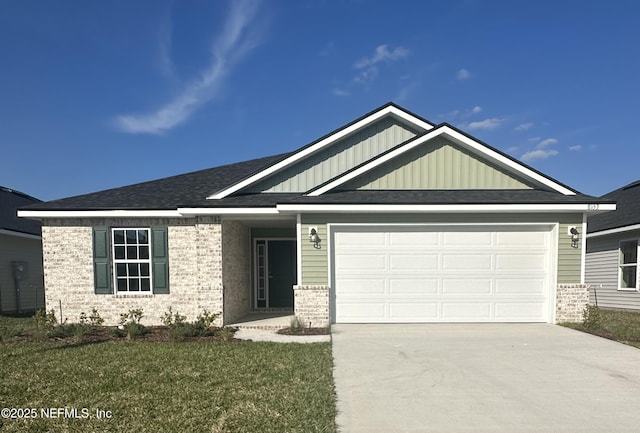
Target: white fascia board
x,y
228,211
419,208
321,144
613,231
20,234
462,139
99,214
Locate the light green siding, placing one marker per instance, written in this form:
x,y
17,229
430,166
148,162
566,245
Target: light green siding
x,y
315,261
337,158
436,164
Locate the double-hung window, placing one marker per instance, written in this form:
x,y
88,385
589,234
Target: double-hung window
x,y
628,265
131,260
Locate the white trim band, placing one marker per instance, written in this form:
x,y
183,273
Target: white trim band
x,y
409,208
614,231
98,213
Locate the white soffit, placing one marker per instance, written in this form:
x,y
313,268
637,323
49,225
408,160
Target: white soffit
x,y
463,140
388,110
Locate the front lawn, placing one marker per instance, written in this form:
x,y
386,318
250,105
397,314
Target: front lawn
x,y
622,326
140,386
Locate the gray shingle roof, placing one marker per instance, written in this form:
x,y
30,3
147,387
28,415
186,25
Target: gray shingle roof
x,y
166,193
10,201
627,209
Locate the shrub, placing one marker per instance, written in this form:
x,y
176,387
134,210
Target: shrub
x,y
44,323
179,328
130,325
226,333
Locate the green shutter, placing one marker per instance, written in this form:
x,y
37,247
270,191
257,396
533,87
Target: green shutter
x,y
101,268
160,260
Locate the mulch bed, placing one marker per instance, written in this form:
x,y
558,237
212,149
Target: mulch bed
x,y
304,331
104,334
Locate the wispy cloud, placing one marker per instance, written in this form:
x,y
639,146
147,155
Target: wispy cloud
x,y
237,39
382,54
369,66
538,154
541,151
546,143
575,148
463,74
523,126
490,123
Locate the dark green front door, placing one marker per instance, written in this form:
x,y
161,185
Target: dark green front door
x,y
281,271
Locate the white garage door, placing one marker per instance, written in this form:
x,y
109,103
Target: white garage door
x,y
441,274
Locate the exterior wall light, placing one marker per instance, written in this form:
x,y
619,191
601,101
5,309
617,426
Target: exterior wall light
x,y
575,237
313,237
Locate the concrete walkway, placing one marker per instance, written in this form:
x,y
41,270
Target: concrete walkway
x,y
483,378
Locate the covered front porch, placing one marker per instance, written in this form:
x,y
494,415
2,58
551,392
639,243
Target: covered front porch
x,y
259,269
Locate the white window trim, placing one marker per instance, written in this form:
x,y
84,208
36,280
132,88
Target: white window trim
x,y
620,266
114,261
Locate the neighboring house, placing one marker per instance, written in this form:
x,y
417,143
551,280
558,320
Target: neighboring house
x,y
21,282
612,251
390,218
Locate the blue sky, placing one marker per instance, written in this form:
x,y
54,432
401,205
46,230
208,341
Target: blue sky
x,y
96,95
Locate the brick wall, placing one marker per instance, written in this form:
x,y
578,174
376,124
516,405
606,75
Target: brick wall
x,y
195,269
236,270
311,304
571,300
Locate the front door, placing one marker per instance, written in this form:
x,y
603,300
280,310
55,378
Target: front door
x,y
275,272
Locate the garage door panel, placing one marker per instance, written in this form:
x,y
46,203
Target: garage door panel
x,y
466,286
467,238
466,262
520,286
410,262
360,262
466,310
359,286
413,311
519,239
413,239
521,262
357,238
442,274
519,311
413,286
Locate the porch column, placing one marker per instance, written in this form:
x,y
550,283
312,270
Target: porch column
x,y
311,305
571,300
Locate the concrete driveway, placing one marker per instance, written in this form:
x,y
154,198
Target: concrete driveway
x,y
483,378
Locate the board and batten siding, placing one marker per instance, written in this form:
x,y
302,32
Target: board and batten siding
x,y
437,164
602,273
338,158
315,261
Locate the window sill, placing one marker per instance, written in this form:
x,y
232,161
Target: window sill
x,y
133,295
627,289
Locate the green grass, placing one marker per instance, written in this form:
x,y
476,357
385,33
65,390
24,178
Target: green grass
x,y
622,326
169,387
